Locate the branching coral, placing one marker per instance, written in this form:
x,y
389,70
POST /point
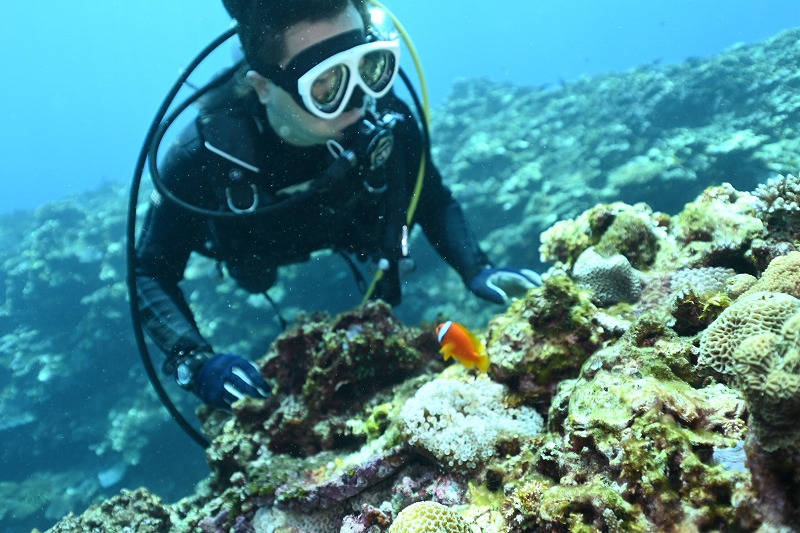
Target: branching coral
x,y
779,199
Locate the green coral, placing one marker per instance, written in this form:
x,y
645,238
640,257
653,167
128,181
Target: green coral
x,y
541,504
545,336
634,234
629,445
379,419
616,228
694,312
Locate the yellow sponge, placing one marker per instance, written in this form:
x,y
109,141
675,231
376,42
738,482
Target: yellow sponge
x,y
429,517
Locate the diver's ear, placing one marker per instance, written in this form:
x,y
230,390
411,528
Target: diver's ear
x,y
260,84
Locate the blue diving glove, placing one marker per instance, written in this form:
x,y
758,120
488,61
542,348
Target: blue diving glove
x,y
225,378
503,285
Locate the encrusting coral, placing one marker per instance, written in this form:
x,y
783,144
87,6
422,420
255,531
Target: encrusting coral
x,y
698,296
633,231
543,338
717,228
630,438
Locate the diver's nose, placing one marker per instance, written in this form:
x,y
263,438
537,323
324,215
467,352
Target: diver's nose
x,y
357,100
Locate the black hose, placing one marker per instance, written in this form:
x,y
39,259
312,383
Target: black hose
x,y
133,202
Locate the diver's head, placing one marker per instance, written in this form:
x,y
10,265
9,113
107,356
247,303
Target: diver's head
x,y
312,64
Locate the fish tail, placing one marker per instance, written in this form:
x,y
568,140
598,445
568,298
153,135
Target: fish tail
x,y
483,363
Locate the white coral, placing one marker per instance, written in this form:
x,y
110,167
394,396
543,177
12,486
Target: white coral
x,y
460,422
780,196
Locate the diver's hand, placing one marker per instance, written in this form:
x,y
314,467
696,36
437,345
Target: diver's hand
x,y
503,285
225,378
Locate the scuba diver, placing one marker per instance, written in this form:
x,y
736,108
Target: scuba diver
x,y
314,93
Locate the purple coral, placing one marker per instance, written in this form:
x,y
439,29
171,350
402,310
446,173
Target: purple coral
x,y
344,486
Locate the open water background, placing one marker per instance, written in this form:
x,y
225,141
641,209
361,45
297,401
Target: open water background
x,y
82,79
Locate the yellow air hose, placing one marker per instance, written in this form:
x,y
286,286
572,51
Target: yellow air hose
x,y
412,206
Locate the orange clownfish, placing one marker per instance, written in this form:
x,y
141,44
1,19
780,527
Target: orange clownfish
x,y
459,342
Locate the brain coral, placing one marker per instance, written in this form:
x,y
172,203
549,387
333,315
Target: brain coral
x,y
782,275
753,314
429,517
612,279
460,423
767,367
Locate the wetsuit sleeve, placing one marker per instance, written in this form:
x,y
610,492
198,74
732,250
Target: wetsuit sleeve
x,y
440,215
169,235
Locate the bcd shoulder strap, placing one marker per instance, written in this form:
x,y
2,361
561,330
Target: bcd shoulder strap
x,y
233,139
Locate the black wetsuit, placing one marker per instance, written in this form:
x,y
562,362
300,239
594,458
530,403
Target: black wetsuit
x,y
228,154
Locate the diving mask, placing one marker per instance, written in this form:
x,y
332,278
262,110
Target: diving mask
x,y
323,77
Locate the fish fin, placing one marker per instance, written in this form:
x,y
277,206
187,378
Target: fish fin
x,y
483,363
477,344
447,350
468,364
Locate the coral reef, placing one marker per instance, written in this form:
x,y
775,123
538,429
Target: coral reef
x,y
648,397
137,510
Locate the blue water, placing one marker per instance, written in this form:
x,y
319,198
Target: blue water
x,y
82,79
